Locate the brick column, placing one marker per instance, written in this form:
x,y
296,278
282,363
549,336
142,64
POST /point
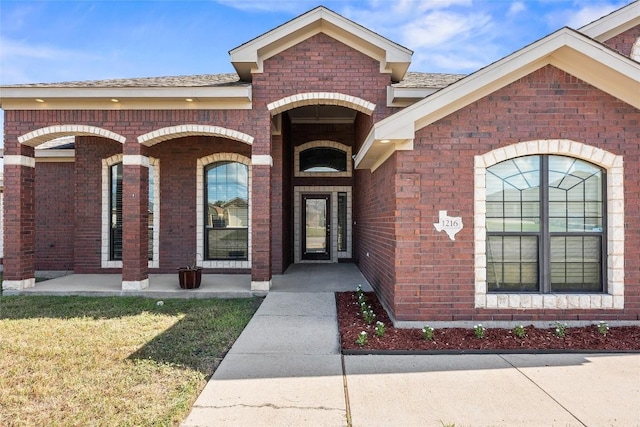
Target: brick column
x,y
19,220
261,222
135,218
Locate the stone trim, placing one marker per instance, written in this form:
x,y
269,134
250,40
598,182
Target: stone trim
x,y
19,160
635,50
261,160
260,286
613,164
297,220
135,160
105,262
321,98
200,165
322,143
18,285
135,285
42,135
172,132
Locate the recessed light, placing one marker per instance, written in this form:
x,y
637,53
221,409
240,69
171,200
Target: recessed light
x,y
385,141
115,100
39,100
189,99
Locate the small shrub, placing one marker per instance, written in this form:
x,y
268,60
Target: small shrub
x,y
427,333
362,339
602,327
519,331
380,329
368,315
561,329
479,331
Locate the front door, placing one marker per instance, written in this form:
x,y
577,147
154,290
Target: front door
x,y
316,226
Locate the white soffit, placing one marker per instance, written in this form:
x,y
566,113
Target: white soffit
x,y
565,49
248,58
131,98
613,24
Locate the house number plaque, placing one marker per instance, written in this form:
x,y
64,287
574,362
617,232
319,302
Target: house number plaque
x,y
449,224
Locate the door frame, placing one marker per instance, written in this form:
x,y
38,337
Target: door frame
x,y
333,190
316,256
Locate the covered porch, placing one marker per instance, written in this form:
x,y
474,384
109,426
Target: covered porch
x,y
297,278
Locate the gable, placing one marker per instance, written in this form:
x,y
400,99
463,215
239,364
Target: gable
x,y
565,49
613,24
249,57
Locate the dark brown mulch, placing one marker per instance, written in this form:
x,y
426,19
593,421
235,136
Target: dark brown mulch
x,y
351,323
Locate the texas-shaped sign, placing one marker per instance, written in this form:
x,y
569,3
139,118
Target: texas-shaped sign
x,y
449,224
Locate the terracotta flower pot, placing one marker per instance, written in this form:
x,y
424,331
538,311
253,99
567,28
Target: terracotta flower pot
x,y
190,277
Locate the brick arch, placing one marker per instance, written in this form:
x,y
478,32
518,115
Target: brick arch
x,y
613,164
171,132
321,98
40,136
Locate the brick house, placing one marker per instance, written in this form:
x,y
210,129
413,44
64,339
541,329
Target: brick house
x,y
508,194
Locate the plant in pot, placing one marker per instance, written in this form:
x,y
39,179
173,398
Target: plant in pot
x,y
190,276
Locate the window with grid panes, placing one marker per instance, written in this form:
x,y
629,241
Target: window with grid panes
x,y
545,225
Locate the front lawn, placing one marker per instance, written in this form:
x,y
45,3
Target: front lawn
x,y
78,361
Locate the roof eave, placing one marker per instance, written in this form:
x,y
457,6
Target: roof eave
x,y
613,24
566,49
19,98
249,57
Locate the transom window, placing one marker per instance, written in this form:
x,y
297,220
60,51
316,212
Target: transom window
x,y
323,159
226,211
545,225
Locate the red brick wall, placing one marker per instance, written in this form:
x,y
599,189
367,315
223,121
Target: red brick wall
x,y
623,42
88,194
55,215
318,64
435,276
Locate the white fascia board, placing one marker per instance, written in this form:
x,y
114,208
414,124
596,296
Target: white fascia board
x,y
128,98
247,58
405,96
613,24
560,49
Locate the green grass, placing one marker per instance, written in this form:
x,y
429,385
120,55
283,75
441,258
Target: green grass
x,y
77,361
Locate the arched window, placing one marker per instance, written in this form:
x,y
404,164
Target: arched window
x,y
327,159
226,211
545,222
323,159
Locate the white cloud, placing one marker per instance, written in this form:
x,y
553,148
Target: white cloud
x,y
590,13
291,6
435,29
516,8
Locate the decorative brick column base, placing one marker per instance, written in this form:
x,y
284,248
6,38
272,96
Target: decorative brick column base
x,y
261,286
18,285
135,285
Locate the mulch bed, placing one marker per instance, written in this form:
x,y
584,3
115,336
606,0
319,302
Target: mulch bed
x,y
586,339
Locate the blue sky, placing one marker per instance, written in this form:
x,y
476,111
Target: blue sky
x,y
55,41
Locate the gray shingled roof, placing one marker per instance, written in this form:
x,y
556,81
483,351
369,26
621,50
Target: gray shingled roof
x,y
202,80
411,80
428,80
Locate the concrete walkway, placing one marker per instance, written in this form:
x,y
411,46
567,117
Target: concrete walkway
x,y
286,370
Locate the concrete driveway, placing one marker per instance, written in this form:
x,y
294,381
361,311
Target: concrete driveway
x,y
286,370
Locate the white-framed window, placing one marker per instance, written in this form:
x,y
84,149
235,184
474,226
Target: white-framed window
x,y
111,247
322,158
549,227
223,197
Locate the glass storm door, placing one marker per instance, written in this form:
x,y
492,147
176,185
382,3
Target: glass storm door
x,y
316,227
